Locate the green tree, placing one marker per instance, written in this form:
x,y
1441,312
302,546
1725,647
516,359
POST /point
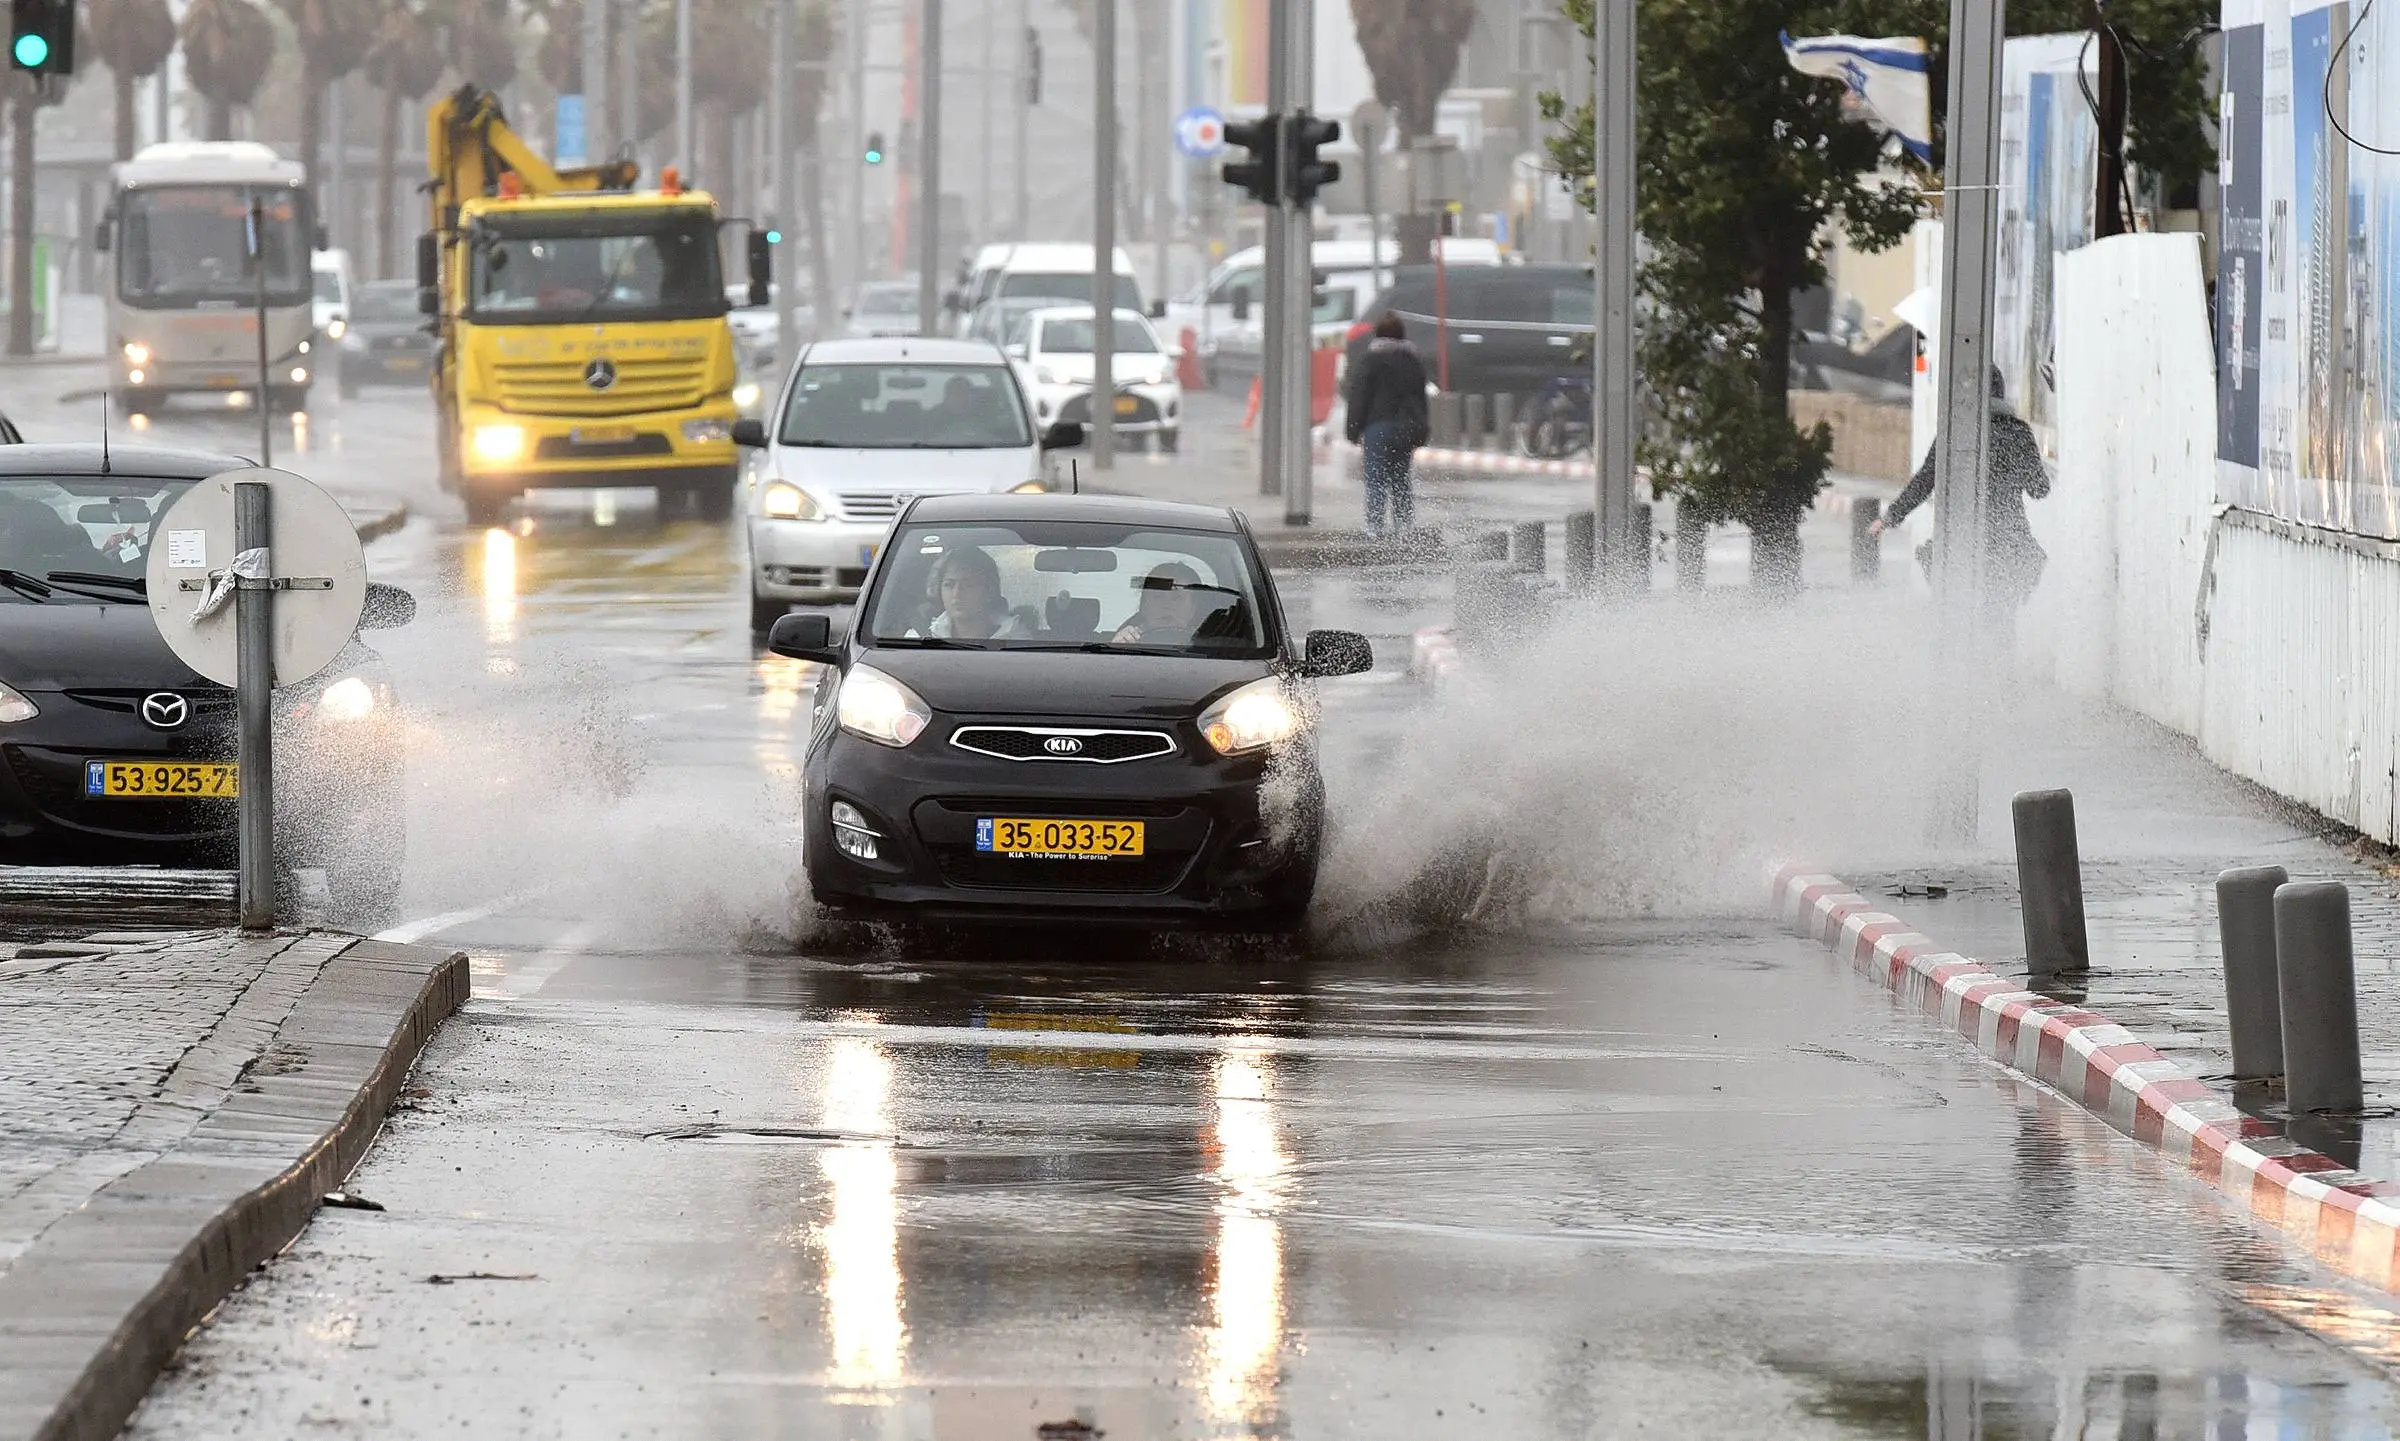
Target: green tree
x,y
133,38
228,46
334,37
405,63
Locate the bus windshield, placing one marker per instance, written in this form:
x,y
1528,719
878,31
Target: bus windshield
x,y
536,270
183,245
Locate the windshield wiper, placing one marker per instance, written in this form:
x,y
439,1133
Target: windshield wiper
x,y
123,589
931,642
25,585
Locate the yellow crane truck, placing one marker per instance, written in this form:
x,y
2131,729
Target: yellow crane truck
x,y
580,323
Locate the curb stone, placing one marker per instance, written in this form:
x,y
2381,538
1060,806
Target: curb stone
x,y
2346,1220
95,1309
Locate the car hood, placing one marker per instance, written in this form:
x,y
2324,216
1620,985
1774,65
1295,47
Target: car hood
x,y
60,646
1078,683
908,472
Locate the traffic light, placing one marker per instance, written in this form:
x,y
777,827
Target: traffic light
x,y
1259,174
771,230
762,261
1307,174
874,147
1033,66
42,37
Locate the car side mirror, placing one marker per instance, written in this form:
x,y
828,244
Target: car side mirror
x,y
1241,304
805,637
104,234
1065,435
429,274
1158,310
1337,652
1015,350
751,433
388,607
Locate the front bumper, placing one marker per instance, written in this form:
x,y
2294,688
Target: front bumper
x,y
1221,852
1156,407
217,377
595,451
817,561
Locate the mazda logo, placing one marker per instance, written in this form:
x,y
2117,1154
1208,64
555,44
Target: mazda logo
x,y
165,710
600,374
1063,746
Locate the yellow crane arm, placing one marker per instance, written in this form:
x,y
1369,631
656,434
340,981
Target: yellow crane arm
x,y
470,145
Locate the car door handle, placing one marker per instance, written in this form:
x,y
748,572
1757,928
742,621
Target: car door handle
x,y
1468,337
1562,340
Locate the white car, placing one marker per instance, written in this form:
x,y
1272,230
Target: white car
x,y
329,293
859,428
882,307
1056,354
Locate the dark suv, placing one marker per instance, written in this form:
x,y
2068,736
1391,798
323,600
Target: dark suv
x,y
1508,328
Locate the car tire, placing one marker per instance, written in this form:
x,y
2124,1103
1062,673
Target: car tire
x,y
764,612
129,401
1169,441
485,507
287,399
712,500
348,388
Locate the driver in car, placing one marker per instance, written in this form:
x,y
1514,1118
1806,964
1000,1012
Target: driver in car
x,y
1169,612
967,585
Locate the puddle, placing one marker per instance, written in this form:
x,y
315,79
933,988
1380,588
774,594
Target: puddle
x,y
1962,1402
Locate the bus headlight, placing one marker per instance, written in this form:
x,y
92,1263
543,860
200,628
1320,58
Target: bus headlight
x,y
495,443
299,375
136,353
336,328
745,394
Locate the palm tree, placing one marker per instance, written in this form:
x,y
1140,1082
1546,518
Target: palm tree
x,y
133,39
812,46
334,36
228,46
1412,49
729,40
405,63
483,42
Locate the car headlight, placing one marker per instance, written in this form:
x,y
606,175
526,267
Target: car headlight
x,y
299,375
879,708
15,707
303,348
1028,487
745,394
498,442
1253,717
702,432
336,328
136,353
782,500
348,699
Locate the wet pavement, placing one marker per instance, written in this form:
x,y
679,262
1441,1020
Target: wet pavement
x,y
682,1169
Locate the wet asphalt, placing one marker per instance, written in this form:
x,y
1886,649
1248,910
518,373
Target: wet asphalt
x,y
684,1168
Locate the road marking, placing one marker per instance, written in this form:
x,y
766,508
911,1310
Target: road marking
x,y
517,982
410,932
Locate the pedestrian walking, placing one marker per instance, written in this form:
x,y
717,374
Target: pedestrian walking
x,y
2012,470
1387,420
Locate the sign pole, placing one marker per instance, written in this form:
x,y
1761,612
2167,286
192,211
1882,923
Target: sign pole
x,y
254,691
1624,557
1299,265
258,268
1103,404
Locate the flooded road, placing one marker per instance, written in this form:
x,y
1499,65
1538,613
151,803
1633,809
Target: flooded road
x,y
686,1168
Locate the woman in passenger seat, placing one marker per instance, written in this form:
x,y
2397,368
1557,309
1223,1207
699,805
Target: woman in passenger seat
x,y
973,607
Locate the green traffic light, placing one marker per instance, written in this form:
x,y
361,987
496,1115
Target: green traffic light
x,y
774,237
874,157
32,51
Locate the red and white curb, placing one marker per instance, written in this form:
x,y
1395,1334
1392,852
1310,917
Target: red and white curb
x,y
2345,1219
1433,655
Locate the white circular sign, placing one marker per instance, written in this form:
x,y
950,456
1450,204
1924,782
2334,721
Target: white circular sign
x,y
312,541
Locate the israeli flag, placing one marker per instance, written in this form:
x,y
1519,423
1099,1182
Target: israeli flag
x,y
1886,77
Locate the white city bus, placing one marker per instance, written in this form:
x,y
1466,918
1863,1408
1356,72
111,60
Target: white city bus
x,y
183,289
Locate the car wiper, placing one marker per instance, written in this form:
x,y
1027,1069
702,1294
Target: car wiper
x,y
931,642
25,585
1110,647
121,589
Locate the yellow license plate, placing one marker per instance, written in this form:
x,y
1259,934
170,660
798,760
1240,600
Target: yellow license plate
x,y
600,434
225,382
160,780
403,362
1127,405
1047,840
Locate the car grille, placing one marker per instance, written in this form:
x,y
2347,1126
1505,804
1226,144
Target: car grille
x,y
869,505
1078,411
53,781
974,868
557,388
1046,743
211,710
563,447
400,344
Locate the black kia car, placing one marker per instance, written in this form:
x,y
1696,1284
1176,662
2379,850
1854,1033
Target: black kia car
x,y
112,750
1066,707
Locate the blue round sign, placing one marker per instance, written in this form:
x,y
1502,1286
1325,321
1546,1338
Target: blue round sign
x,y
1200,133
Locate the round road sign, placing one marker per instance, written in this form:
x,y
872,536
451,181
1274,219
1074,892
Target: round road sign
x,y
315,551
1200,133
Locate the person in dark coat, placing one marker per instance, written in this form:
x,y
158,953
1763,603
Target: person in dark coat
x,y
1387,419
2012,470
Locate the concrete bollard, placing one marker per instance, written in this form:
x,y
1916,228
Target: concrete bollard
x,y
1442,420
1691,553
1576,546
1475,420
1866,551
1528,550
2246,936
2050,883
1504,415
1637,554
2317,990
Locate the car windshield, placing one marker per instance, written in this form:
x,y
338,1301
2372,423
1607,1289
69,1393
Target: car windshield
x,y
905,407
384,302
1074,337
602,266
81,539
188,245
891,300
1069,585
1066,287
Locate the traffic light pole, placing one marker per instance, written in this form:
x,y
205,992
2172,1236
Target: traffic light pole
x,y
1103,406
1624,557
1299,20
929,172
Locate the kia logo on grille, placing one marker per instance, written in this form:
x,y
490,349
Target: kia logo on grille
x,y
600,374
165,710
1063,745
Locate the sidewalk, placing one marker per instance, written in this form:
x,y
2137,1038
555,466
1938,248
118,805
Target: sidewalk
x,y
173,1107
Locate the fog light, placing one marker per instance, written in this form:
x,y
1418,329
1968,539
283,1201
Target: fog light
x,y
303,347
852,836
137,353
135,377
299,375
494,443
336,328
703,432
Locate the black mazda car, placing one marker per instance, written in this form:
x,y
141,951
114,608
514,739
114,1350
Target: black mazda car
x,y
112,750
1059,707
